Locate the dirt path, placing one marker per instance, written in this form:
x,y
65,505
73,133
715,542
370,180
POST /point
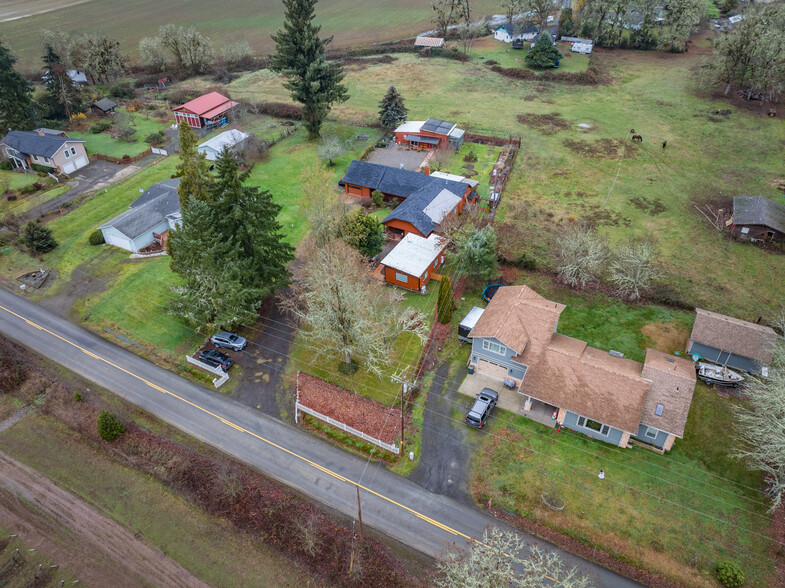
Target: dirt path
x,y
74,535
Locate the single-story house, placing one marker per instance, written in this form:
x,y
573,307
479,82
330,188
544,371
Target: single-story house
x,y
44,147
103,106
233,140
758,219
509,33
588,390
729,341
426,200
414,261
429,134
205,112
148,220
430,42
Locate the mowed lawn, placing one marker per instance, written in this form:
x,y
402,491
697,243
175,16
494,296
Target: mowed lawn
x,y
143,122
676,515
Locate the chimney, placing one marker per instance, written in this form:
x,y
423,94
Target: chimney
x,y
426,170
40,131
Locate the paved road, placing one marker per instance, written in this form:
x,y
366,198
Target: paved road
x,y
390,504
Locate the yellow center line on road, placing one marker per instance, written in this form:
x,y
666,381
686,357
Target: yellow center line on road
x,y
243,430
321,468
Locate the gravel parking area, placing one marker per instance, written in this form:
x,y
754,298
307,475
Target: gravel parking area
x,y
394,156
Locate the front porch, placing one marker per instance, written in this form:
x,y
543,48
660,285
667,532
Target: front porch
x,y
511,400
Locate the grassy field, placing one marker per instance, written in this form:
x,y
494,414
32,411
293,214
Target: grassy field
x,y
143,505
27,201
351,22
675,515
17,180
577,175
32,558
479,170
144,124
488,48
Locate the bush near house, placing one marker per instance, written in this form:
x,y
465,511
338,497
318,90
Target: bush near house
x,y
96,238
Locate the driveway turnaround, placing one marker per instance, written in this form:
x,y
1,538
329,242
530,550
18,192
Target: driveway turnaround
x,y
391,504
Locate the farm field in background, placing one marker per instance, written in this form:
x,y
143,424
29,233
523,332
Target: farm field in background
x,y
351,22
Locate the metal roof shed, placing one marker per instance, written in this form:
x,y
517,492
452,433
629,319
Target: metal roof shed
x,y
467,324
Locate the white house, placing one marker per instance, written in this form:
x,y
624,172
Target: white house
x,y
148,220
508,33
232,139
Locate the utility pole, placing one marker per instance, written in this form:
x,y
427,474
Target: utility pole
x,y
404,389
359,513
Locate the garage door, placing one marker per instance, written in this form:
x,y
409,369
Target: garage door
x,y
81,162
491,369
69,167
118,241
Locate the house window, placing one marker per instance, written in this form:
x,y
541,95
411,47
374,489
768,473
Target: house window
x,y
594,426
402,278
46,160
35,158
745,230
73,150
770,234
658,410
494,347
425,277
651,432
10,151
435,263
67,155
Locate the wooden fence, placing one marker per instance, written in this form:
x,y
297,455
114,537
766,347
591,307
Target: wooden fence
x,y
142,155
488,140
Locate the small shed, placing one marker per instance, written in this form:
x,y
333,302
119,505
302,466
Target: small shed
x,y
757,218
103,106
423,41
414,261
467,324
233,140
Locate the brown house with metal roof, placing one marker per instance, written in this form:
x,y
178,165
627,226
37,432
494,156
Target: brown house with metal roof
x,y
756,218
588,390
730,341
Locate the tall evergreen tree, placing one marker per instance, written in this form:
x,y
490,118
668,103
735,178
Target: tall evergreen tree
x,y
16,106
193,169
299,56
229,251
544,53
392,111
62,97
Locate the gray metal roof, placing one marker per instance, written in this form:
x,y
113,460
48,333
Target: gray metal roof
x,y
413,209
105,104
758,210
31,143
150,209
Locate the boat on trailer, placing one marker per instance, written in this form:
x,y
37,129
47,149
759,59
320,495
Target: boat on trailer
x,y
718,374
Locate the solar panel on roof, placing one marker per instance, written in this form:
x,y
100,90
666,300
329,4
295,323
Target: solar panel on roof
x,y
434,125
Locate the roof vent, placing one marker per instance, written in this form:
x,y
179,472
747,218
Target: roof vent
x,y
615,353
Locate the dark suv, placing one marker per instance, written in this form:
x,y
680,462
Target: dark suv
x,y
229,340
215,358
482,408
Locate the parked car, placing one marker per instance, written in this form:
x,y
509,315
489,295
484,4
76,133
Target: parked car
x,y
229,341
482,408
215,358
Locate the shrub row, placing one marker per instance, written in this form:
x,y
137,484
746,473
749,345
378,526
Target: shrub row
x,y
279,110
100,126
590,77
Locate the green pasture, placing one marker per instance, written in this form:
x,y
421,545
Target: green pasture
x,y
17,180
489,49
352,23
676,515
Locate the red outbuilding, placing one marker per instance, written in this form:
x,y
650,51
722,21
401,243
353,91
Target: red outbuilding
x,y
206,112
429,134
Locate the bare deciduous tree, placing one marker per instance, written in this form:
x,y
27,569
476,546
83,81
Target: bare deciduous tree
x,y
511,8
330,150
343,310
445,14
580,256
540,9
632,269
760,426
503,558
321,204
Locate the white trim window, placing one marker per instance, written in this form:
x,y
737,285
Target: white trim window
x,y
494,347
67,155
73,150
594,426
35,158
46,160
651,432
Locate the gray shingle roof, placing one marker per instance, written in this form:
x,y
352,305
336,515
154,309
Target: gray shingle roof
x,y
105,104
32,143
150,209
757,210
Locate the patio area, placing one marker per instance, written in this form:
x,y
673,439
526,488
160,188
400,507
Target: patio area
x,y
395,156
511,400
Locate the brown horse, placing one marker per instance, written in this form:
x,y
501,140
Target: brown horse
x,y
638,138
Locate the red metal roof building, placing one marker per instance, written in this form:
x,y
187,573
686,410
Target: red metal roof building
x,y
210,110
